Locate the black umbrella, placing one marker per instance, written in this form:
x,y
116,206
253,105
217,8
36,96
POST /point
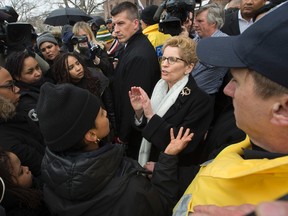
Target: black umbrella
x,y
63,16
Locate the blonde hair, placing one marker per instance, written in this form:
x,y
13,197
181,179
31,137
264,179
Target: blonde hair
x,y
186,46
86,27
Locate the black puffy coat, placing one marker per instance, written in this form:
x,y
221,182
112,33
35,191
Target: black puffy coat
x,y
103,182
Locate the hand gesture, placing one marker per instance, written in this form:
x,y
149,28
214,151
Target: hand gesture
x,y
146,104
177,144
135,98
140,102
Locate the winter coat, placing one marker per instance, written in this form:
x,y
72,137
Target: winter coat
x,y
22,136
138,66
156,38
29,97
194,111
104,183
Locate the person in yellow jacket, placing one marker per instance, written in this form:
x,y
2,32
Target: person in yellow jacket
x,y
150,29
256,169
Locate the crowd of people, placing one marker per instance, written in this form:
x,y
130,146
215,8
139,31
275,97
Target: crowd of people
x,y
117,118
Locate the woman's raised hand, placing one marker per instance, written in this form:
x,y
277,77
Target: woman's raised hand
x,y
135,98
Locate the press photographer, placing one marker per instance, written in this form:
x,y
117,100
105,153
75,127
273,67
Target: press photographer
x,y
16,36
13,36
91,50
177,12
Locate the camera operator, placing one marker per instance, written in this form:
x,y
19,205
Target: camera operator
x,y
178,16
90,49
187,26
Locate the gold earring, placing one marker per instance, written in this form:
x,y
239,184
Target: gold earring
x,y
97,141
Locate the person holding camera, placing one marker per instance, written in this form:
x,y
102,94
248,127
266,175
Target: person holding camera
x,y
92,51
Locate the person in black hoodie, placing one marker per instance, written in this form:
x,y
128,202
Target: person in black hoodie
x,y
19,134
84,175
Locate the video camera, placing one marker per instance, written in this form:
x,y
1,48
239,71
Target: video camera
x,y
13,36
177,12
78,39
94,49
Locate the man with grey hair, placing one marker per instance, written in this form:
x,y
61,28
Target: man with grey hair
x,y
207,23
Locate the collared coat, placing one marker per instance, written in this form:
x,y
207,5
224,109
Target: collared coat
x,y
138,66
194,111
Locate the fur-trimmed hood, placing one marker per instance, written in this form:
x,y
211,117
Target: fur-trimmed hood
x,y
7,109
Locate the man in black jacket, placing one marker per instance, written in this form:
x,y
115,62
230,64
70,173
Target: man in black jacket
x,y
19,134
138,66
238,21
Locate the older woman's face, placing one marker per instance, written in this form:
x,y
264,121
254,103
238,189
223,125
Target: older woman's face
x,y
173,71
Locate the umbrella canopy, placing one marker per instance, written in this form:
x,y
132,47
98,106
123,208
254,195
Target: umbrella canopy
x,y
63,16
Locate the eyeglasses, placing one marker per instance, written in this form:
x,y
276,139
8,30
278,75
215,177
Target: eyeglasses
x,y
10,85
171,59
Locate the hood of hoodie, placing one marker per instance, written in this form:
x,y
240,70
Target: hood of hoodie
x,y
79,176
7,109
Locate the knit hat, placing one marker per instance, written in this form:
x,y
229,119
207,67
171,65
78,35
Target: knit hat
x,y
103,34
148,13
46,37
65,113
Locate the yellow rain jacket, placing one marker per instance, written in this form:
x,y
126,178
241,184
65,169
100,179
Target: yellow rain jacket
x,y
156,38
231,180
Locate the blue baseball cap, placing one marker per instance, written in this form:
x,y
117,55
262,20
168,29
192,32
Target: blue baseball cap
x,y
263,47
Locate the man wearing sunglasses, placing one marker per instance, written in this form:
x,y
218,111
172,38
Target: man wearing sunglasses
x,y
19,134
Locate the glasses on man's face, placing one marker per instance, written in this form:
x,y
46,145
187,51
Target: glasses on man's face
x,y
10,85
171,59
